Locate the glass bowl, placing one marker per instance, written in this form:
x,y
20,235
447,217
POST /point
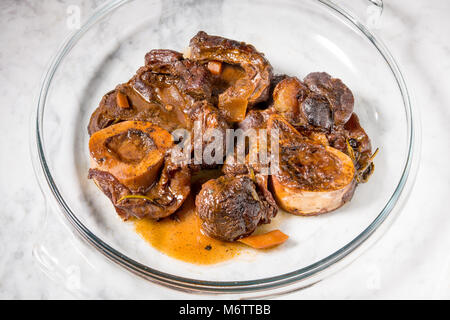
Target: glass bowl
x,y
297,37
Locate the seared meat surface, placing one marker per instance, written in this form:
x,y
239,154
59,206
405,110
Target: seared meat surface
x,y
131,164
319,101
168,91
304,163
166,70
359,148
311,178
337,93
321,108
303,107
208,119
164,91
109,112
232,207
252,84
160,200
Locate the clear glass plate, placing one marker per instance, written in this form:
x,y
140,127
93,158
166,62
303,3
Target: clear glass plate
x,y
297,37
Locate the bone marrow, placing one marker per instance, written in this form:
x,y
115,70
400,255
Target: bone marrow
x,y
311,178
132,151
246,88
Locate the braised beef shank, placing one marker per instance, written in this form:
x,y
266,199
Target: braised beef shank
x,y
232,207
160,200
250,70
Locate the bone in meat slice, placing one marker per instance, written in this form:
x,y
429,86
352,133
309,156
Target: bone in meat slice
x,y
132,151
253,84
311,178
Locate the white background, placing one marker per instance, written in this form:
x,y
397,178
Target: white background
x,y
411,261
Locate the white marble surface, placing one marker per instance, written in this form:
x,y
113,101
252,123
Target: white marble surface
x,y
411,261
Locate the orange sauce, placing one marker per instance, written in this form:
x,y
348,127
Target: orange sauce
x,y
180,237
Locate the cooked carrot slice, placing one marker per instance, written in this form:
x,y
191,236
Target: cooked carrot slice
x,y
215,67
266,240
122,100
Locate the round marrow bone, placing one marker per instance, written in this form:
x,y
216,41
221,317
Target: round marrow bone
x,y
311,178
249,90
162,199
132,151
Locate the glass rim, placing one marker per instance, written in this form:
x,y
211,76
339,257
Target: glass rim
x,y
194,285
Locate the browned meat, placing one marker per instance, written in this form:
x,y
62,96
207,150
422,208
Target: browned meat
x,y
166,69
321,101
168,91
167,117
276,79
321,109
163,91
109,112
256,119
302,107
350,139
311,178
132,151
159,201
324,152
258,171
131,164
232,207
207,116
359,140
253,82
361,148
111,187
337,93
353,141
